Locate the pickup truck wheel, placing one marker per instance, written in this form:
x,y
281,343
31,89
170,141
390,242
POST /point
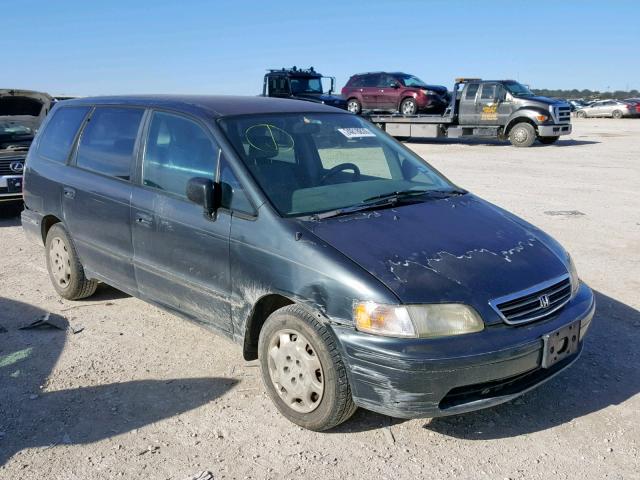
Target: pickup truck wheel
x,y
522,135
303,371
548,140
581,114
408,107
64,267
616,114
354,106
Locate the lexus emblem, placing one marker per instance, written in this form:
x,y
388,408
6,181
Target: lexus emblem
x,y
544,301
16,167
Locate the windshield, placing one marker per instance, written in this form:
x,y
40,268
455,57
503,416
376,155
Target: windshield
x,y
306,85
12,127
518,90
411,81
312,163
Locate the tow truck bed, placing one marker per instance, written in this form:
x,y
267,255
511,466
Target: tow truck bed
x,y
399,118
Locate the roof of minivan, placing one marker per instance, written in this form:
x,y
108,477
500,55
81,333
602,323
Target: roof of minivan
x,y
216,105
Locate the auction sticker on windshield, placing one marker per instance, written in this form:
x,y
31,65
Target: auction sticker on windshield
x,y
356,132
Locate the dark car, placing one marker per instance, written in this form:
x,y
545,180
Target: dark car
x,y
21,113
301,84
356,273
393,92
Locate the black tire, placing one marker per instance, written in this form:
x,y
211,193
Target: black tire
x,y
616,114
548,140
580,114
522,135
408,106
75,284
336,404
354,106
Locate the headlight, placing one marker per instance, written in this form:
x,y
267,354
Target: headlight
x,y
573,275
417,321
429,92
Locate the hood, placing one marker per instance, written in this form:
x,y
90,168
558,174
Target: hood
x,y
21,113
327,99
543,100
458,249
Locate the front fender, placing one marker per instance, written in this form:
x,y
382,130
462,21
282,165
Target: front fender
x,y
528,115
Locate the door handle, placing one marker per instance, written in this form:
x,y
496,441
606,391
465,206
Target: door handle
x,y
144,219
69,192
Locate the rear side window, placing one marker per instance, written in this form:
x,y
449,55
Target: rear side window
x,y
178,149
472,89
488,91
107,143
357,81
57,138
370,80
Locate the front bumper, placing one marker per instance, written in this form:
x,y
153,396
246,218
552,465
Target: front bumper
x,y
554,130
412,378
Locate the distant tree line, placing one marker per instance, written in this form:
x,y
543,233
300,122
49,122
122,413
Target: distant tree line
x,y
586,94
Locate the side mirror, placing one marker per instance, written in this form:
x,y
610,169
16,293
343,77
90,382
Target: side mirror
x,y
202,191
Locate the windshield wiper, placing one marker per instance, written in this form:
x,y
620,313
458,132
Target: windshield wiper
x,y
412,193
383,200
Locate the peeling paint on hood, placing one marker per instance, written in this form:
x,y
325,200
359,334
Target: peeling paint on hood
x,y
459,249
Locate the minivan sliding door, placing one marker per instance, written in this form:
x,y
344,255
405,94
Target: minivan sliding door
x,y
96,195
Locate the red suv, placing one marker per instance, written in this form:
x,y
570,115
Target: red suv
x,y
395,92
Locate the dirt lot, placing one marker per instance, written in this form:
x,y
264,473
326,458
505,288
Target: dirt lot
x,y
140,393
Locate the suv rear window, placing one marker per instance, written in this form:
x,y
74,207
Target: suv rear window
x,y
57,137
107,142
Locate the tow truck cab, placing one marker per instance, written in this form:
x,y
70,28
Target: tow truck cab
x,y
301,84
503,109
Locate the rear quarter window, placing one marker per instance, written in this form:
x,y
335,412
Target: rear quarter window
x,y
108,141
60,132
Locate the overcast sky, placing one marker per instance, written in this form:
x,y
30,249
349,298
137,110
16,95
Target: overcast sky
x,y
137,46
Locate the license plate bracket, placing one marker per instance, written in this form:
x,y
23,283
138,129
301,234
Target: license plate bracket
x,y
560,344
14,185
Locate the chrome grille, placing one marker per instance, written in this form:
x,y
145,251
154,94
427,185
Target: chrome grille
x,y
563,114
534,303
6,161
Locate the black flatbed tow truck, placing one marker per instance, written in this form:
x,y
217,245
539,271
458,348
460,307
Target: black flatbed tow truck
x,y
501,109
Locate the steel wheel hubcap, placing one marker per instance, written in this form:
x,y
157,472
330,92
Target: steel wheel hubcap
x,y
295,371
520,134
60,262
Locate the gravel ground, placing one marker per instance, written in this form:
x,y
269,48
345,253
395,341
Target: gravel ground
x,y
139,393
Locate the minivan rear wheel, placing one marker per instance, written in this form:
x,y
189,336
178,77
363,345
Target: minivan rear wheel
x,y
64,267
303,371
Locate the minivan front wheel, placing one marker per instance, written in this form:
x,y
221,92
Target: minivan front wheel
x,y
303,371
64,267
